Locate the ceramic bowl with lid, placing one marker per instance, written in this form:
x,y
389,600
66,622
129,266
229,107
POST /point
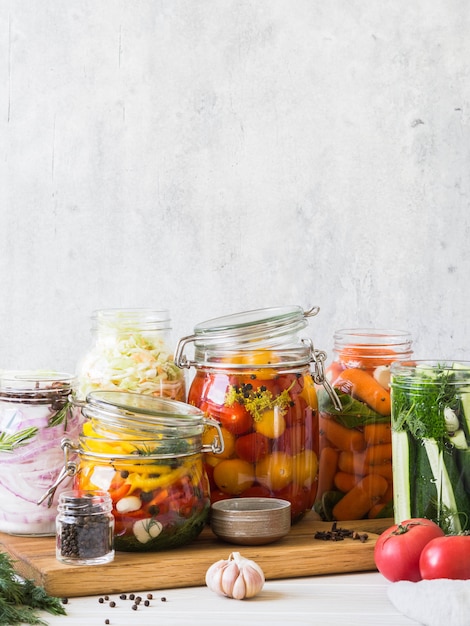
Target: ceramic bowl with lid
x,y
250,521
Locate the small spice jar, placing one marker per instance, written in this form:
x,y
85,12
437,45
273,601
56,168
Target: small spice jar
x,y
431,442
253,376
146,452
85,528
35,414
355,468
131,351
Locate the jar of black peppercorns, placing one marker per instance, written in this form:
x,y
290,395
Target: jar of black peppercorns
x,y
85,528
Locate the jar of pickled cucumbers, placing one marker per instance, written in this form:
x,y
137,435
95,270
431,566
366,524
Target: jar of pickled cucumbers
x,y
355,466
131,351
35,414
147,453
431,442
253,376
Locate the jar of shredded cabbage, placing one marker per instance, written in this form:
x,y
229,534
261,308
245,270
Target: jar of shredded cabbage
x,y
131,351
35,414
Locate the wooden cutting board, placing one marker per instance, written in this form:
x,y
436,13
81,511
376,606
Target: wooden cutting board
x,y
298,554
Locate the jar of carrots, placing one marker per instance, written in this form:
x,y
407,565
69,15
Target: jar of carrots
x,y
254,376
355,441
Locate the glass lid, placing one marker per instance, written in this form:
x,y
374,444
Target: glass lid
x,y
269,322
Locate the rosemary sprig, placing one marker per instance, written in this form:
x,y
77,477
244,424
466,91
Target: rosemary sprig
x,y
8,443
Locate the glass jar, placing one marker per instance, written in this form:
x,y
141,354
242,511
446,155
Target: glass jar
x,y
131,351
85,528
431,442
35,415
253,376
146,452
355,441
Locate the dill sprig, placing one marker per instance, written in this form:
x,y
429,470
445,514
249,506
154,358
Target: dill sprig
x,y
20,600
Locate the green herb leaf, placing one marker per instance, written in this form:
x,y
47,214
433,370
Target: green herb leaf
x,y
8,443
21,599
353,413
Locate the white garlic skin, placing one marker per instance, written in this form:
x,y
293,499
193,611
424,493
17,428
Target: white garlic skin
x,y
235,577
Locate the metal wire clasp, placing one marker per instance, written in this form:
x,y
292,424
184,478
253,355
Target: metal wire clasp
x,y
69,470
319,377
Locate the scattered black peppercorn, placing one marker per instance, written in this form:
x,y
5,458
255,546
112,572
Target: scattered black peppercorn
x,y
123,596
147,603
112,604
150,596
106,621
134,607
131,596
65,600
339,534
101,600
163,599
106,597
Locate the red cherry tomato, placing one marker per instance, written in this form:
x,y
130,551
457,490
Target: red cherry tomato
x,y
252,447
398,549
235,418
446,557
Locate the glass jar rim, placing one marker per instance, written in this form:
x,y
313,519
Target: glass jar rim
x,y
141,409
413,373
126,319
372,336
34,382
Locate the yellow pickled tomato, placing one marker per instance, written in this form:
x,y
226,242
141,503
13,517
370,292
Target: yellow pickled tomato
x,y
271,423
309,393
233,476
275,471
229,444
305,468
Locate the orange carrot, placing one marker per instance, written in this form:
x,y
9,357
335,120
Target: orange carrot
x,y
358,502
352,463
377,433
327,467
340,436
385,470
363,386
345,481
367,356
375,510
379,454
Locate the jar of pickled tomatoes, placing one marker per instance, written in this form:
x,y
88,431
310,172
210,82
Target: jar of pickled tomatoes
x,y
253,376
132,350
147,453
355,445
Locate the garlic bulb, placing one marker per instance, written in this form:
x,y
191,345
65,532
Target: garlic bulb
x,y
236,577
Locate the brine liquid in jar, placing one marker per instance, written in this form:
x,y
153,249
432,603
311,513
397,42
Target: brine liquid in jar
x,y
253,376
131,351
35,414
355,463
147,453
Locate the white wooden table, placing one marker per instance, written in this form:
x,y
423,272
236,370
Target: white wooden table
x,y
341,600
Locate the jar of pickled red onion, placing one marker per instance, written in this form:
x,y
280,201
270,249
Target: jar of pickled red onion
x,y
253,375
35,414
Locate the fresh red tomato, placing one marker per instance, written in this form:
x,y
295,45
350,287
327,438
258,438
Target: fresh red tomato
x,y
252,447
398,549
235,418
446,557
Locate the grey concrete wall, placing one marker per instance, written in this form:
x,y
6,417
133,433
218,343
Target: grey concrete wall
x,y
212,156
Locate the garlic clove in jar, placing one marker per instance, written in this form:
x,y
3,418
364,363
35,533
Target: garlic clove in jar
x,y
235,577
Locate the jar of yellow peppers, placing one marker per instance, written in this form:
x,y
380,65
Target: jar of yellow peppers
x,y
146,452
